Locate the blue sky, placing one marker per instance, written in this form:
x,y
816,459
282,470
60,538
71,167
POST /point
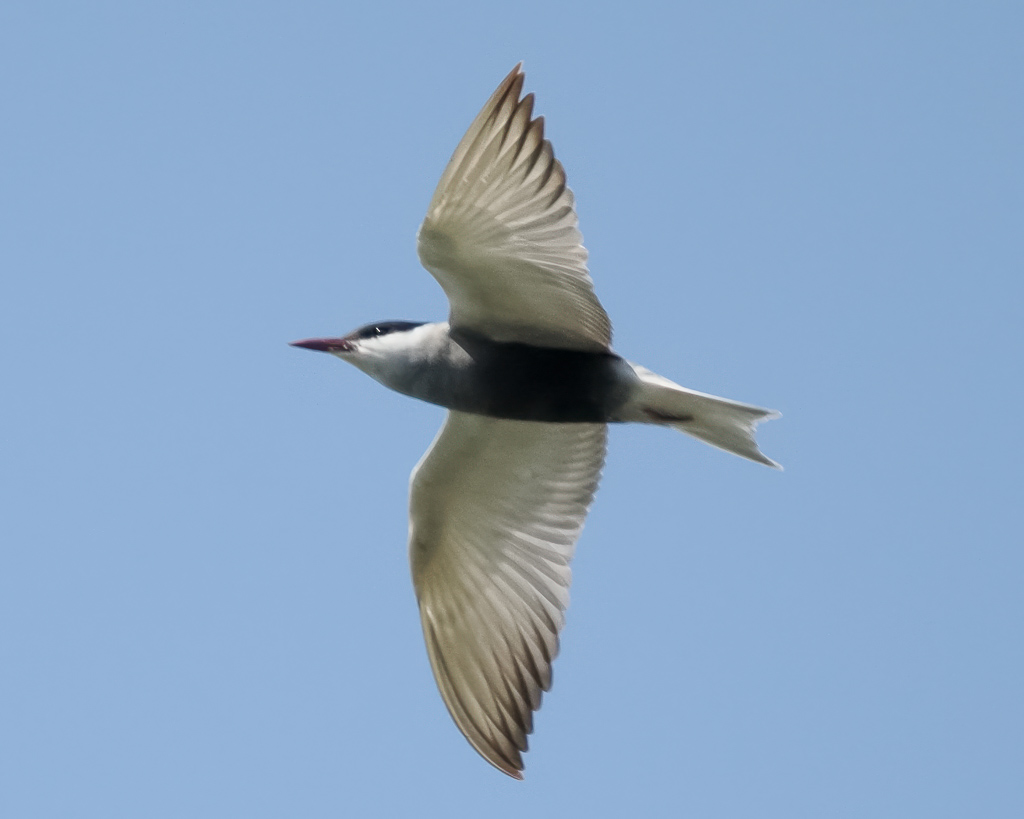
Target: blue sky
x,y
205,604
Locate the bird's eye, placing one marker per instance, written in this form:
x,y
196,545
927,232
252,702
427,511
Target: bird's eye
x,y
385,328
372,331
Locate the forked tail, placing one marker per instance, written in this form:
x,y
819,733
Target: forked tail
x,y
726,424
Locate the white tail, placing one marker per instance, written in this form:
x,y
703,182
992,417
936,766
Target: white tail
x,y
726,424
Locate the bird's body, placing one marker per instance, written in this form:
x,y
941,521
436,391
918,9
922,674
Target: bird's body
x,y
525,367
469,372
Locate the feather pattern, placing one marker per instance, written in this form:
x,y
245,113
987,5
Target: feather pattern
x,y
501,234
496,508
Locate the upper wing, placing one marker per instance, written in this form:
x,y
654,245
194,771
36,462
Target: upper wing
x,y
502,238
496,508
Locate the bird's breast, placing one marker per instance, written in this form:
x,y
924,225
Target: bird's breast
x,y
528,383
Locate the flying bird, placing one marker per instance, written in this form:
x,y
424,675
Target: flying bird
x,y
525,367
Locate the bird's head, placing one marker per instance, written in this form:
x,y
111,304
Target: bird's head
x,y
377,349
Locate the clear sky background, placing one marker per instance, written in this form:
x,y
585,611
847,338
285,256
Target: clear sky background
x,y
205,604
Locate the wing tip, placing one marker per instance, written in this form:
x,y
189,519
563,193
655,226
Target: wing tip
x,y
516,75
509,764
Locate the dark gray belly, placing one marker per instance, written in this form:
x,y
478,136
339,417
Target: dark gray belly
x,y
526,383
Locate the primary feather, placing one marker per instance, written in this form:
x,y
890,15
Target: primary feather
x,y
502,238
495,510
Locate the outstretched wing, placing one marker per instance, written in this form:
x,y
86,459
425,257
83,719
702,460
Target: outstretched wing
x,y
496,508
502,238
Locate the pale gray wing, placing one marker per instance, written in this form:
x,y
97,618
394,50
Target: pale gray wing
x,y
502,238
496,508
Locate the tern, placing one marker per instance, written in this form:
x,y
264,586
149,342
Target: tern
x,y
524,366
